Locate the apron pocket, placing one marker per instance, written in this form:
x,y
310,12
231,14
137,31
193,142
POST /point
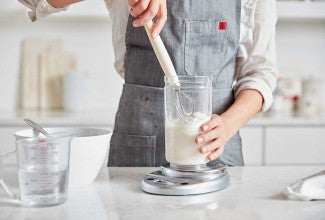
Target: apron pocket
x,y
132,150
203,43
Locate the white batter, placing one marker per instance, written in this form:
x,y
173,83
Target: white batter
x,y
181,148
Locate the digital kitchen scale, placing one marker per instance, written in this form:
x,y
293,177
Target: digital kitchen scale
x,y
186,180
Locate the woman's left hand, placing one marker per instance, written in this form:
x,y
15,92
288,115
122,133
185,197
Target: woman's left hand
x,y
213,137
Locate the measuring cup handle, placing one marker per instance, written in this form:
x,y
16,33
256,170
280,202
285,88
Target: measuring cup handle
x,y
2,181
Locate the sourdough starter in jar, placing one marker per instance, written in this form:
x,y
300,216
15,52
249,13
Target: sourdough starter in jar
x,y
181,148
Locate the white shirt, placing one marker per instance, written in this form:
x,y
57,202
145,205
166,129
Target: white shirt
x,y
256,57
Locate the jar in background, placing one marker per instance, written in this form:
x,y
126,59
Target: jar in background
x,y
286,96
310,101
188,104
75,91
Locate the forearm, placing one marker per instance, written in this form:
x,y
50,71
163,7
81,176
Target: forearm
x,y
62,3
247,104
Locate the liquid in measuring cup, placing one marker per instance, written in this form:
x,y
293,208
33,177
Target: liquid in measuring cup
x,y
43,187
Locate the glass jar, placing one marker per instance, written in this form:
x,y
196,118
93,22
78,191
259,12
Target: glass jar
x,y
188,104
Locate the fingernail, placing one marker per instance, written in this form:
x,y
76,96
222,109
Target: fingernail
x,y
204,150
205,127
135,24
210,157
199,140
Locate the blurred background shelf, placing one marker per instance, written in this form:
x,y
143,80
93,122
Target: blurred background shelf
x,y
105,117
301,9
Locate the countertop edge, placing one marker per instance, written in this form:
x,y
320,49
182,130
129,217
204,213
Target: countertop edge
x,y
106,118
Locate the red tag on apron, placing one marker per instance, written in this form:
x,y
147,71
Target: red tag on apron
x,y
222,25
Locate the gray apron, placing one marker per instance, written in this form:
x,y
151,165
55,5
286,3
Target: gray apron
x,y
202,39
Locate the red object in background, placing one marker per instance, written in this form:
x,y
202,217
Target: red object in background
x,y
222,25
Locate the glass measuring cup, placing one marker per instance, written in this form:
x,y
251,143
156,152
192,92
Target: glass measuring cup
x,y
43,170
195,100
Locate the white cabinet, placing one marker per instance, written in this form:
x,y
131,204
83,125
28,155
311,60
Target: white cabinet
x,y
295,145
252,138
284,141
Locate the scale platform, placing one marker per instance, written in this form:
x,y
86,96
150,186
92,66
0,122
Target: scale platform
x,y
186,180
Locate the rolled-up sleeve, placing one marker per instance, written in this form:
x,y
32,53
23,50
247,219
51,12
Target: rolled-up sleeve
x,y
40,9
256,60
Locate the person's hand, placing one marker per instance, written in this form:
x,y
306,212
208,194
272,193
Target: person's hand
x,y
213,137
146,10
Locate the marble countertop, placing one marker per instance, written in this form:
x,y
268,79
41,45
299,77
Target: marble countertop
x,y
254,193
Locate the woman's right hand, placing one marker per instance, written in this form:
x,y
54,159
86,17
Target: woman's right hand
x,y
146,10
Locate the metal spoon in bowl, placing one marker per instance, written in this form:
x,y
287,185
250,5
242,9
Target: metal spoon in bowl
x,y
36,127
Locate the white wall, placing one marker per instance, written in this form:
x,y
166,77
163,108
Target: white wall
x,y
300,47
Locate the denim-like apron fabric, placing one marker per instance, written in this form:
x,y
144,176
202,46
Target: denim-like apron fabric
x,y
202,38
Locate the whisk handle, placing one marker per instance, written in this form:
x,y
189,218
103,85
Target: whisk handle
x,y
162,55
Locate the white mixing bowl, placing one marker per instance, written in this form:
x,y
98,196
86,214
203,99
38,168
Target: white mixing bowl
x,y
89,150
